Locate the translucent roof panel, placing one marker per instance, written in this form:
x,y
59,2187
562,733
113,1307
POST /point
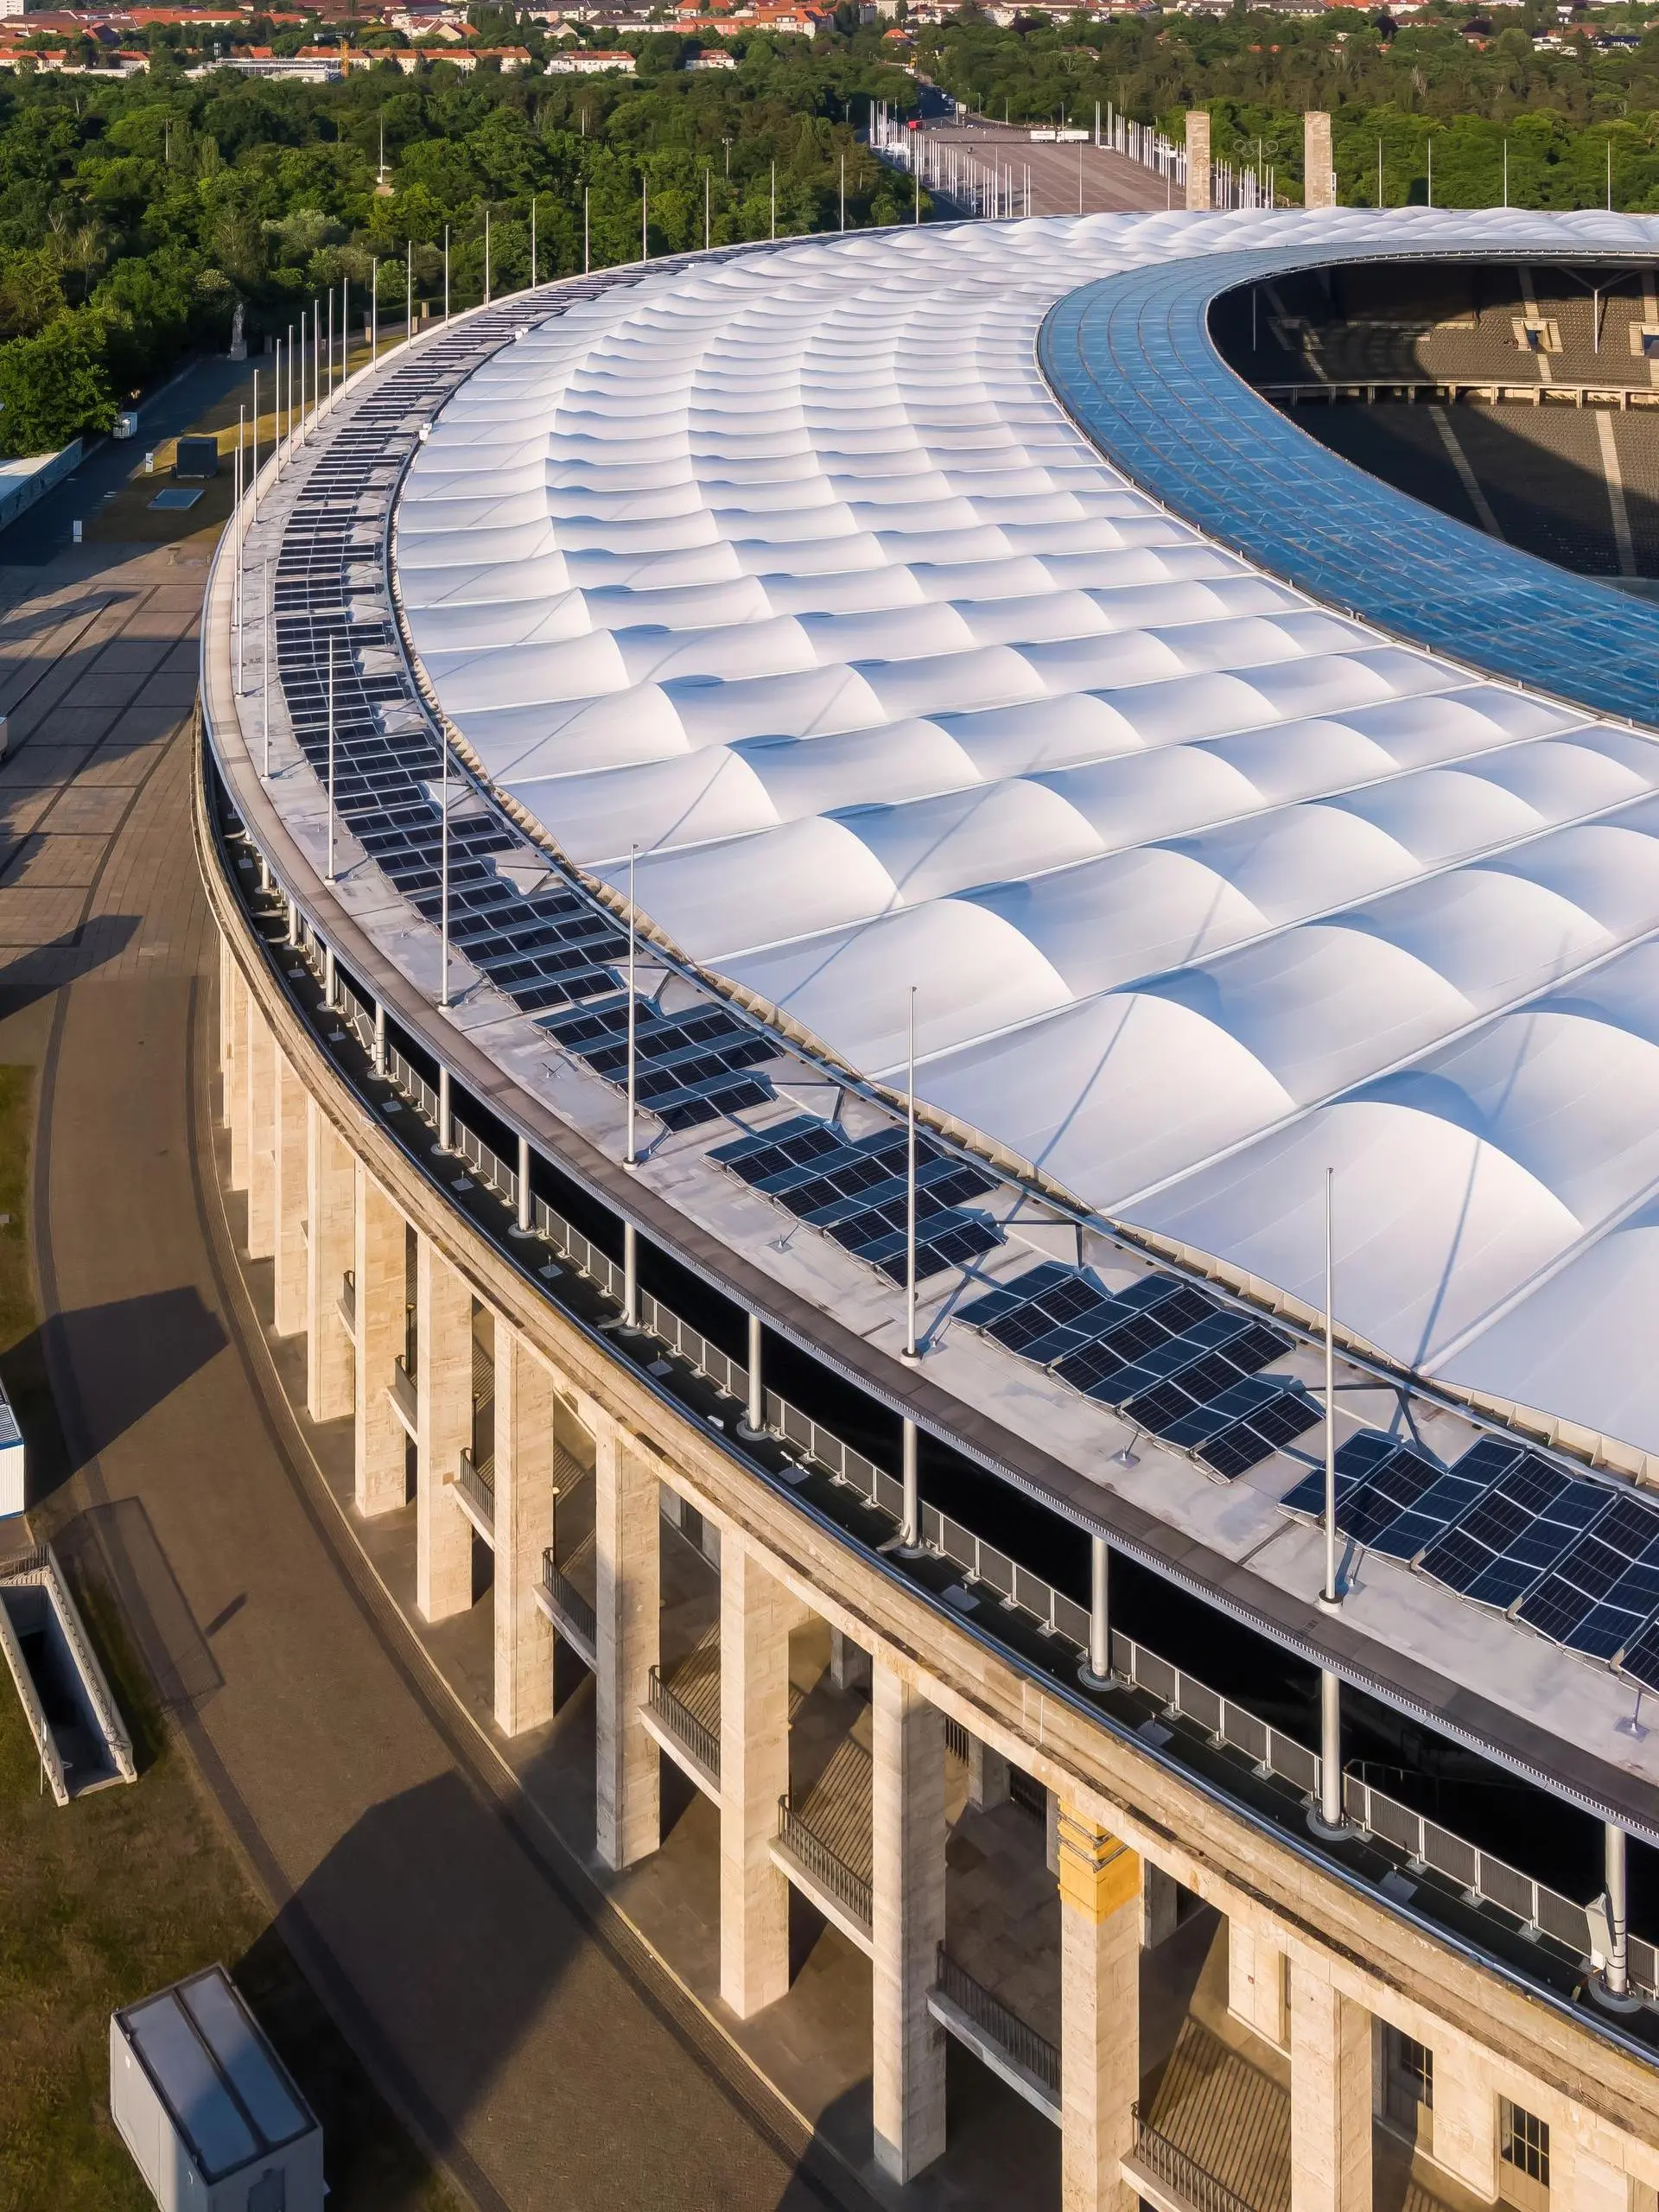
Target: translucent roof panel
x,y
935,607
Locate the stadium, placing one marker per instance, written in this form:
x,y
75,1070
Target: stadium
x,y
907,958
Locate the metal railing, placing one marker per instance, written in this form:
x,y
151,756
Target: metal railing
x,y
692,1735
1271,1751
1268,1749
477,1480
1013,2037
850,1889
403,1389
1180,2173
569,1601
1427,1845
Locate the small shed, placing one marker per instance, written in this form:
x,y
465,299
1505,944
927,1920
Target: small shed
x,y
208,2111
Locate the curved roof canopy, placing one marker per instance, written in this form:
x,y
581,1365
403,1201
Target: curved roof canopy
x,y
792,572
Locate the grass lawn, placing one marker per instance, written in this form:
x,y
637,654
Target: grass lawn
x,y
126,1890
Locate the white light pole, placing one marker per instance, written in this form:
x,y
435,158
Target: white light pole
x,y
1331,1597
266,674
533,241
331,760
443,884
631,1158
911,1353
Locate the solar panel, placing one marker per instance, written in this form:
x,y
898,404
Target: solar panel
x,y
1601,1591
688,1067
979,1312
1288,1414
1391,1490
1514,1534
1358,1457
1640,1658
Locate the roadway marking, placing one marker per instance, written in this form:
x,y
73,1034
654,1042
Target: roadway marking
x,y
1477,499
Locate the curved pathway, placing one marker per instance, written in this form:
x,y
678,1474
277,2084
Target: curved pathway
x,y
531,2045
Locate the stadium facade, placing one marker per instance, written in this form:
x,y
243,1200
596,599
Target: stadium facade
x,y
845,869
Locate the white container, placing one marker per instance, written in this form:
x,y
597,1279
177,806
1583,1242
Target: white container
x,y
126,424
11,1437
208,2111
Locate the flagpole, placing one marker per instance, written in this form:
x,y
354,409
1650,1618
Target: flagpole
x,y
331,760
1331,1598
632,1157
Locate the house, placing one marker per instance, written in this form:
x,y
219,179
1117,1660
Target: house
x,y
589,62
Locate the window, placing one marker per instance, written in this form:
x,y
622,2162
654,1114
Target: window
x,y
1408,2086
1523,2156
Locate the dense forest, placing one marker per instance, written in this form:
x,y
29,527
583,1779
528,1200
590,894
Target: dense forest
x,y
136,215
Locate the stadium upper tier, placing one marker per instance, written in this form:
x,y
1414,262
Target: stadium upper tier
x,y
792,572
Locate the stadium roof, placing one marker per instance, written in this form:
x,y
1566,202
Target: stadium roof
x,y
792,571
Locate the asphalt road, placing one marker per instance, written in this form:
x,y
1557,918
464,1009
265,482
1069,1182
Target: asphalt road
x,y
509,2017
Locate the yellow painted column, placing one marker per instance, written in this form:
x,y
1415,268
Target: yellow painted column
x,y
1100,2012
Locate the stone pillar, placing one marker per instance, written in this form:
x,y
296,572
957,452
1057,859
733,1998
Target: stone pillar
x,y
289,1225
987,1777
1100,2012
1591,2183
523,1528
1465,2114
907,1923
849,1665
238,1100
755,1612
1318,170
382,1270
444,1542
331,1216
1160,1895
627,1608
1256,1982
1198,160
262,1121
1330,2097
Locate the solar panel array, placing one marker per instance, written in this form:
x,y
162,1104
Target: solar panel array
x,y
688,1067
1576,1561
1173,1360
543,948
856,1191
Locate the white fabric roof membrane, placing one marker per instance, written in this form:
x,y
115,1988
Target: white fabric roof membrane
x,y
791,571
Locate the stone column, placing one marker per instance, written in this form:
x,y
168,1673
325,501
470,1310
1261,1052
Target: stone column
x,y
1256,1982
1160,1895
1319,171
627,1608
330,1215
289,1225
237,1100
232,1029
1465,2114
849,1665
907,1840
755,1612
1100,2012
262,1120
382,1269
524,1530
987,1777
1330,2097
443,1544
1198,160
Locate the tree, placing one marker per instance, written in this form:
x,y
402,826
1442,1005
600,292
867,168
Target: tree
x,y
54,386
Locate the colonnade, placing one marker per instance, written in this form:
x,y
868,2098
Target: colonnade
x,y
397,1340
